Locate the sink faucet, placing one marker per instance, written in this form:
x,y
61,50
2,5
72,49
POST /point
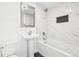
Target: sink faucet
x,y
30,33
44,36
44,33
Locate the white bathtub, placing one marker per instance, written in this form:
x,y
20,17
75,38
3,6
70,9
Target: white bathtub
x,y
54,48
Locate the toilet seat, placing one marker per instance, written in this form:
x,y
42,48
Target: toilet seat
x,y
13,56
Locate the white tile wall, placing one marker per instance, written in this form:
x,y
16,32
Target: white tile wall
x,y
65,32
41,21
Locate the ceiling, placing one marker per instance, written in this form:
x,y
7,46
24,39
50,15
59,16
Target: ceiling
x,y
48,4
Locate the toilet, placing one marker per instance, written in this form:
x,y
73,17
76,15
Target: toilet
x,y
9,50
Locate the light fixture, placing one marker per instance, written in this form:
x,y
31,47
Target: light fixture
x,y
24,7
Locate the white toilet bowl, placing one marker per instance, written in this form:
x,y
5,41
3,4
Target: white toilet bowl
x,y
9,50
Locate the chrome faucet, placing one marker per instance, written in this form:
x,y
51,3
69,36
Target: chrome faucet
x,y
30,33
44,36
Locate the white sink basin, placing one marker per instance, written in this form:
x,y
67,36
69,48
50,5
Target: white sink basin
x,y
33,36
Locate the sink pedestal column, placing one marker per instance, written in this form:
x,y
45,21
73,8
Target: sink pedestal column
x,y
30,47
27,45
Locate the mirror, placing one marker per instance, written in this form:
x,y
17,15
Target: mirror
x,y
27,16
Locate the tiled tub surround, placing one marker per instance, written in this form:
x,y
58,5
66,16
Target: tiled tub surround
x,y
62,36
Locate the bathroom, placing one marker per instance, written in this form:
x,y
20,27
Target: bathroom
x,y
39,29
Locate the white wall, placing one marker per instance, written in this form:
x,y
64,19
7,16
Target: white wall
x,y
10,26
9,23
41,21
9,20
66,33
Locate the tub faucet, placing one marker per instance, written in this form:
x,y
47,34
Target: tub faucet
x,y
44,33
44,36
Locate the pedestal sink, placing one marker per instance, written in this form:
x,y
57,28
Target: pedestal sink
x,y
30,40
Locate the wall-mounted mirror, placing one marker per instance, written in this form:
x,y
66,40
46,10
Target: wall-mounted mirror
x,y
27,16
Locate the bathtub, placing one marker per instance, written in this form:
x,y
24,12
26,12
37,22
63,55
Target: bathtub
x,y
54,48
